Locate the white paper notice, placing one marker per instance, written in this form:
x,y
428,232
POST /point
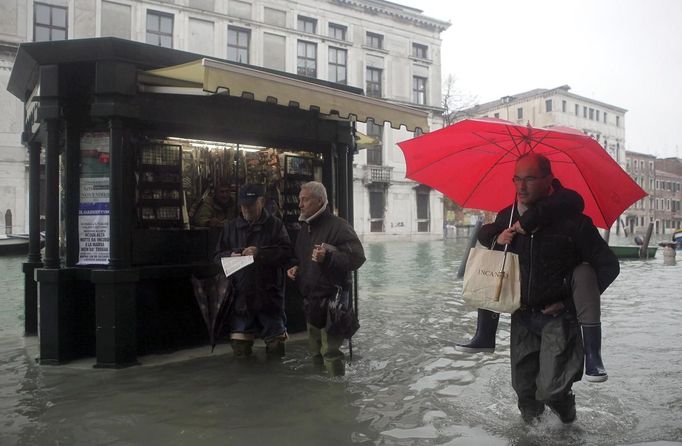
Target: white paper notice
x,y
233,264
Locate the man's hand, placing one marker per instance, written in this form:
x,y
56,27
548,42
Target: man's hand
x,y
553,309
506,236
517,228
319,252
250,251
292,272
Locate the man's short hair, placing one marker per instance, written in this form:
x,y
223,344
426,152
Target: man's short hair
x,y
316,189
544,164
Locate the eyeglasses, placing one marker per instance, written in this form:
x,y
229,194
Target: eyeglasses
x,y
527,180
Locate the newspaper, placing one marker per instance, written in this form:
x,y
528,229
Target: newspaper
x,y
233,264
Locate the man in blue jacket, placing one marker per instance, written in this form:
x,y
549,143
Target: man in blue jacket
x,y
258,308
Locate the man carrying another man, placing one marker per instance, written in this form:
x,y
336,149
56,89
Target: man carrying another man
x,y
546,343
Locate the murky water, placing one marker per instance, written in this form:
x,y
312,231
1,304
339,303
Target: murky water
x,y
405,386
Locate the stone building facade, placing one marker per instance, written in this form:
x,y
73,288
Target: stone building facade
x,y
662,180
389,50
558,106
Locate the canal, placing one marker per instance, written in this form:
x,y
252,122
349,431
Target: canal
x,y
406,384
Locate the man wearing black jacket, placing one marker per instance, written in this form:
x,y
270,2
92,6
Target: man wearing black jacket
x,y
327,250
546,342
258,307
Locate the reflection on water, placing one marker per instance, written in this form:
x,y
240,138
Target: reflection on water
x,y
405,386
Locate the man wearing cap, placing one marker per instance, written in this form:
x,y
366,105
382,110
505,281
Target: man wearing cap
x,y
327,250
258,308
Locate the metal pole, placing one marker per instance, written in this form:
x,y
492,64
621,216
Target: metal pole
x,y
472,243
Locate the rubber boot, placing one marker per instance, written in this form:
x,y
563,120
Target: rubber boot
x,y
531,410
486,330
594,367
241,348
564,407
335,367
274,348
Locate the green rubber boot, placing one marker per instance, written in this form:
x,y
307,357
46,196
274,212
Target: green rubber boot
x,y
241,348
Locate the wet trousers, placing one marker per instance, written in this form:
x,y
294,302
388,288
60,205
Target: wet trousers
x,y
256,324
586,296
546,356
324,348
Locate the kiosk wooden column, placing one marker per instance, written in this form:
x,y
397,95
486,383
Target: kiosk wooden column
x,y
34,260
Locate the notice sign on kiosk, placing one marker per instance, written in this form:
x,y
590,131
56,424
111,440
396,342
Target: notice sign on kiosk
x,y
93,210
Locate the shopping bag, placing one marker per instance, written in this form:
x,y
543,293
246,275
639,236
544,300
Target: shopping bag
x,y
341,318
487,286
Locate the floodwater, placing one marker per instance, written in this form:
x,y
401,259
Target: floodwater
x,y
406,384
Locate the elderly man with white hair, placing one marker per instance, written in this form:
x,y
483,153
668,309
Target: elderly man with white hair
x,y
327,250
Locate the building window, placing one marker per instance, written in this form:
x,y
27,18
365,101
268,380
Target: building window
x,y
419,51
497,115
577,110
373,82
419,90
160,29
423,194
274,51
377,207
596,115
584,112
306,62
374,153
49,22
338,65
548,105
591,113
563,106
337,32
519,113
275,17
617,121
604,117
238,40
306,24
375,40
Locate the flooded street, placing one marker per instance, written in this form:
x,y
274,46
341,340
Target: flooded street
x,y
406,384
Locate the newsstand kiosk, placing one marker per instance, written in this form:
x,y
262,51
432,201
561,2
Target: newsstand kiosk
x,y
124,139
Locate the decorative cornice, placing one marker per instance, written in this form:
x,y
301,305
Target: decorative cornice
x,y
396,11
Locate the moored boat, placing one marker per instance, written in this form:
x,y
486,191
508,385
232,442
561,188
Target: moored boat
x,y
632,251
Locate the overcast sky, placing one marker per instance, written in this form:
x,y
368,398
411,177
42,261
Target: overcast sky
x,y
627,53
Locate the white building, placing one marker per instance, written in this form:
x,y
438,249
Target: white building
x,y
558,106
389,50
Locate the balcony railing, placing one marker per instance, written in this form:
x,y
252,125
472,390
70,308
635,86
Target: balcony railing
x,y
378,174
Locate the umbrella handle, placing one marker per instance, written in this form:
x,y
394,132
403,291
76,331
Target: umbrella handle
x,y
498,289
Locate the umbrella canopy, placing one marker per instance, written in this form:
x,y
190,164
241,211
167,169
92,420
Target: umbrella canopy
x,y
214,297
472,162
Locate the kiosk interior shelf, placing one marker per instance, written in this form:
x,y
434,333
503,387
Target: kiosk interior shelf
x,y
159,185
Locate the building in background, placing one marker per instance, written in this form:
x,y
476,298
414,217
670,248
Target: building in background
x,y
661,179
558,106
389,50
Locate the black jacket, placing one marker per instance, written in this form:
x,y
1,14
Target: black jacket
x,y
259,286
317,282
558,238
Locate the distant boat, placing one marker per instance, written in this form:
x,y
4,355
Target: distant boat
x,y
632,251
13,244
677,238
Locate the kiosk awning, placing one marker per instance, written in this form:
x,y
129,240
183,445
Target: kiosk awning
x,y
215,77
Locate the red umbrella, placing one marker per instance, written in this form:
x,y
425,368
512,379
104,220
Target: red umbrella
x,y
472,162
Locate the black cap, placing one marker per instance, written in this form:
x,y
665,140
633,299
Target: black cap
x,y
248,193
